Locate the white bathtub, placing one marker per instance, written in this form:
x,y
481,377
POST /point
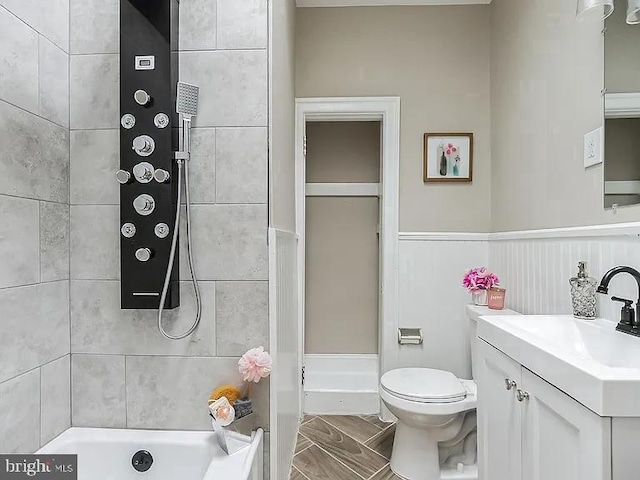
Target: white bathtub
x,y
106,454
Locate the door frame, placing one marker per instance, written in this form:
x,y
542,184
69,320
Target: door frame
x,y
386,110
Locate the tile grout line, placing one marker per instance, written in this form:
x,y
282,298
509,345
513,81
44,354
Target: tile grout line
x,y
379,433
40,406
300,472
346,466
332,456
359,443
71,389
37,115
311,444
39,242
32,369
22,197
126,394
9,287
387,465
337,428
32,28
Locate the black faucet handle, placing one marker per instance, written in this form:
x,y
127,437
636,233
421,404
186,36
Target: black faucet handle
x,y
626,301
627,314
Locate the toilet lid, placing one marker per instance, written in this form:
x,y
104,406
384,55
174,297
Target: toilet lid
x,y
424,385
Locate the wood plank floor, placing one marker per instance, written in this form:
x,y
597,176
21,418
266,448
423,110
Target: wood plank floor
x,y
343,447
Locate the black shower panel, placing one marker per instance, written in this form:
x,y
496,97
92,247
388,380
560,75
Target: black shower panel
x,y
149,135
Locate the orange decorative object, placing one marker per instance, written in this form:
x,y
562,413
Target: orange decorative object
x,y
232,393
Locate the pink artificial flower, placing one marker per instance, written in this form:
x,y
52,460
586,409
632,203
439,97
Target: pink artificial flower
x,y
255,365
450,145
448,151
455,149
476,279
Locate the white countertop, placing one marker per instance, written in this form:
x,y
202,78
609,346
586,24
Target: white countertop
x,y
588,360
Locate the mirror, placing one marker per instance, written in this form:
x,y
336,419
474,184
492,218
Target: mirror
x,y
622,110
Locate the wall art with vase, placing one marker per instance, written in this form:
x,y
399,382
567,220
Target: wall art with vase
x,y
448,157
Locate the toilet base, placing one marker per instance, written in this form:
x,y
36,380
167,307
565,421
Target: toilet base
x,y
415,454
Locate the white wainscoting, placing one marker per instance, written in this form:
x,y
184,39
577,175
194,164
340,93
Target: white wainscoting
x,y
535,266
341,384
285,378
431,296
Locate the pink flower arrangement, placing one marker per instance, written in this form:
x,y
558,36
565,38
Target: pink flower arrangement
x,y
255,365
476,279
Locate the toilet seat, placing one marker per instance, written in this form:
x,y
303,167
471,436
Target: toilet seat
x,y
424,385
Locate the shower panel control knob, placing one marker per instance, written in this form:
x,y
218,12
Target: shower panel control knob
x,y
143,254
143,172
161,120
161,230
128,230
161,175
144,204
142,98
123,177
143,145
128,121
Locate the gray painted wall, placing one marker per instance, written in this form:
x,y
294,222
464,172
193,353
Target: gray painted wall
x,y
436,58
546,82
124,373
342,248
34,227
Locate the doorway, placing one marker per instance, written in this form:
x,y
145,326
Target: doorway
x,y
347,159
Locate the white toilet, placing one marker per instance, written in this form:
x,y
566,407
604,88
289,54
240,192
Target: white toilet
x,y
435,409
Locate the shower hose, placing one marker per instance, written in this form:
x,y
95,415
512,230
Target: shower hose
x,y
182,164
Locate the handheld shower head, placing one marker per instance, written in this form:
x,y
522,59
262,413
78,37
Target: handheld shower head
x,y
187,99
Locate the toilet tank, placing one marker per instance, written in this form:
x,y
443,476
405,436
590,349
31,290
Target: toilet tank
x,y
474,312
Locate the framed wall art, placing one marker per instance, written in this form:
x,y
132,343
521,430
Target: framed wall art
x,y
448,157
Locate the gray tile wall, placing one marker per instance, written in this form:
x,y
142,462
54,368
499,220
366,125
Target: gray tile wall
x,y
124,373
34,223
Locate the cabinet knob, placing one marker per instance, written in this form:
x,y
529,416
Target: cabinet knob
x,y
521,395
509,384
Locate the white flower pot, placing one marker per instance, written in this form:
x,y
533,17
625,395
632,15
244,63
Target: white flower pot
x,y
480,297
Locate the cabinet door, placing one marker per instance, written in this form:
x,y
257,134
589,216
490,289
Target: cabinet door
x,y
499,416
562,439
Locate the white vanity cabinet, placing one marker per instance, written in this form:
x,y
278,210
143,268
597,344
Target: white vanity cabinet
x,y
499,415
530,430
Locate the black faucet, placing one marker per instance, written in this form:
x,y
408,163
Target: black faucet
x,y
630,319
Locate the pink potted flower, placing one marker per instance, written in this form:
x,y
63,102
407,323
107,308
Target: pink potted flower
x,y
478,281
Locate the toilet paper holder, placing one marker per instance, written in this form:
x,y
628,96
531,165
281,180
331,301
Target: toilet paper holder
x,y
410,336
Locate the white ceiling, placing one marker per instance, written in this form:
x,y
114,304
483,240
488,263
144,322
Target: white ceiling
x,y
370,3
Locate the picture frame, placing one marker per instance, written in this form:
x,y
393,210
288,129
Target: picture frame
x,y
448,157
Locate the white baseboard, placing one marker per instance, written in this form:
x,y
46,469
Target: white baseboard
x,y
341,403
341,385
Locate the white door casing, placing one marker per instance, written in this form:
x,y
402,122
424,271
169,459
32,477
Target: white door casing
x,y
387,111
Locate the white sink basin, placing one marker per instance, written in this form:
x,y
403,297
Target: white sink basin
x,y
588,360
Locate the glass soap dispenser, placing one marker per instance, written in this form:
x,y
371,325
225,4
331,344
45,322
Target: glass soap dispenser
x,y
583,294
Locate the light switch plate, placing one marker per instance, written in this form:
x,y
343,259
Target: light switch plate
x,y
593,151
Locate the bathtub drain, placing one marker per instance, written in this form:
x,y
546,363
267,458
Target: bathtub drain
x,y
142,460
